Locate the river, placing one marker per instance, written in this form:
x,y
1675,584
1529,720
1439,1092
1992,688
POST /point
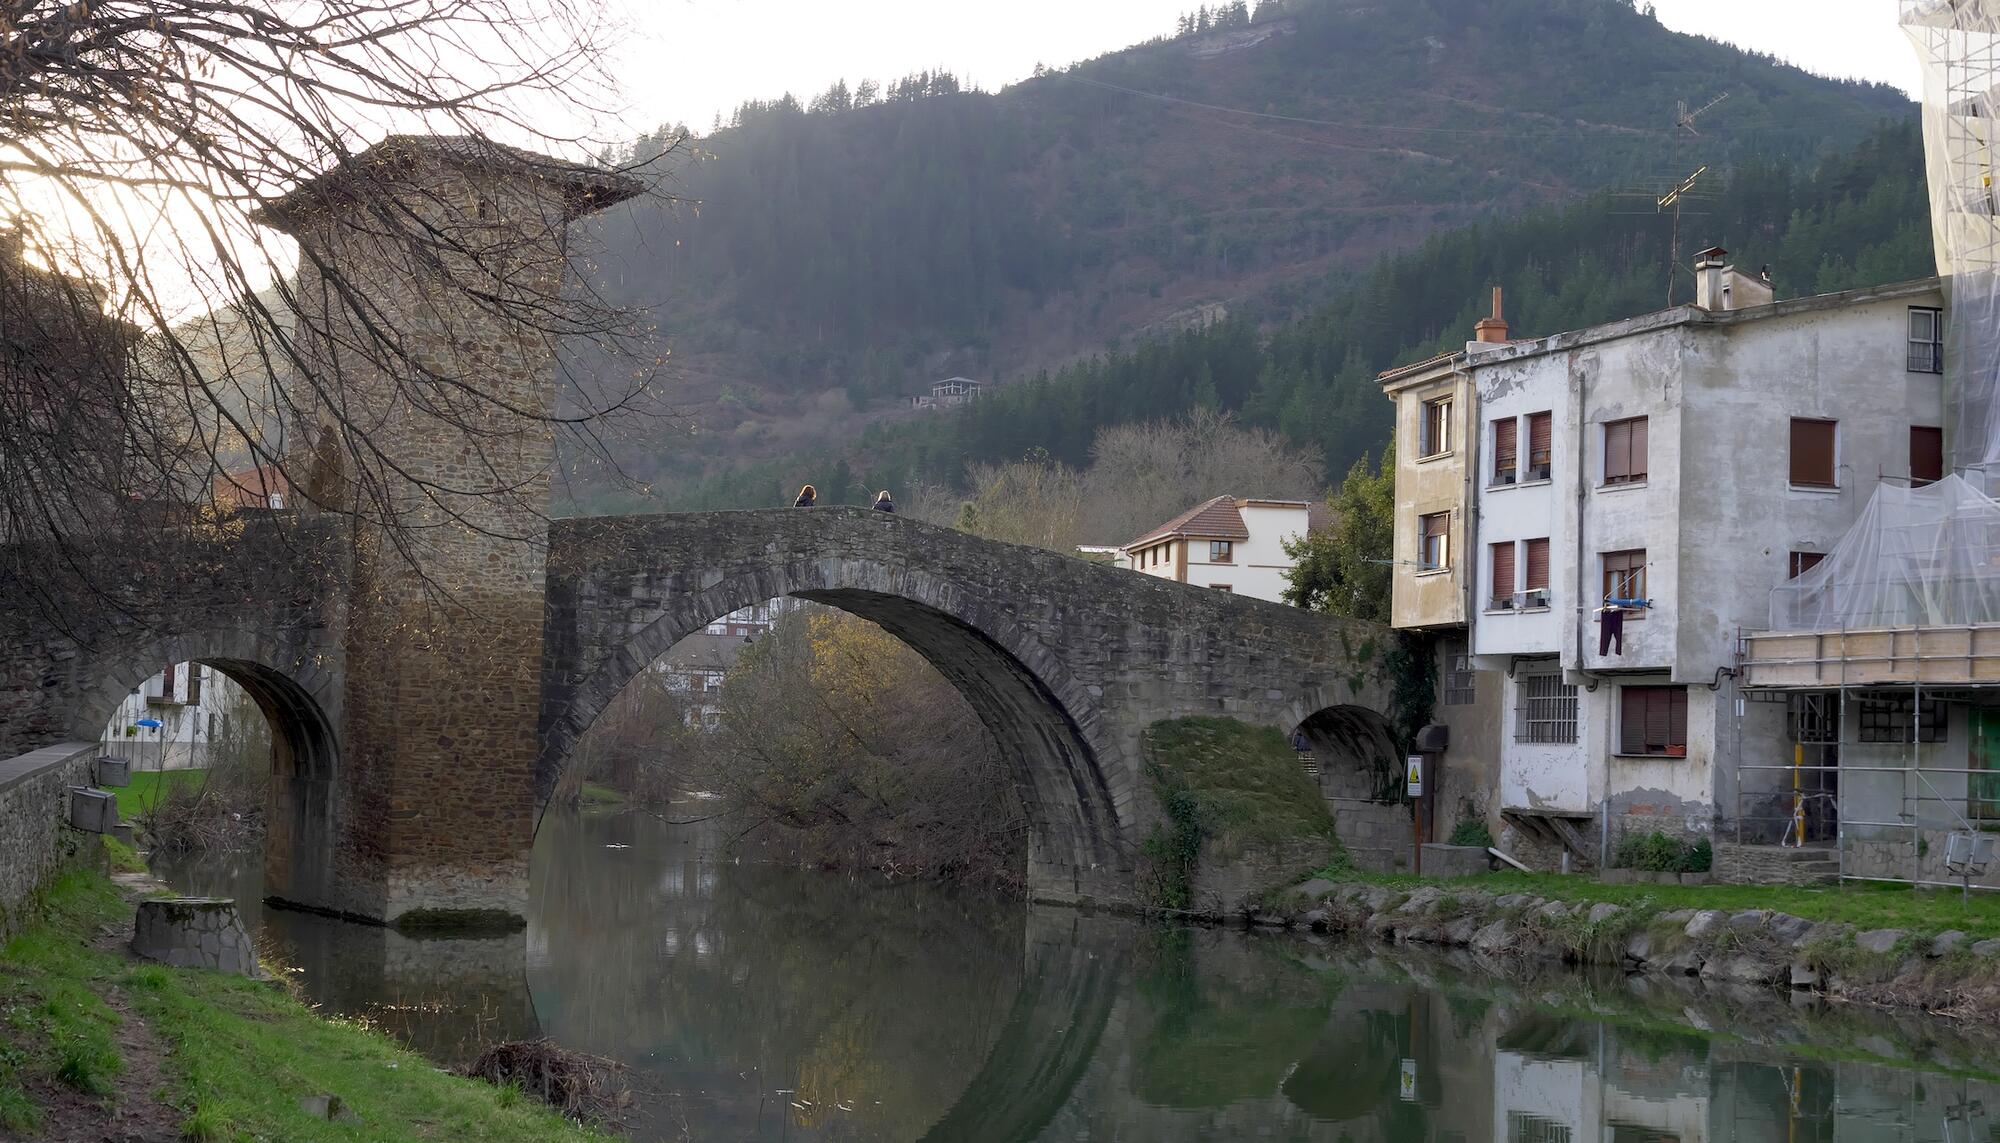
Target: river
x,y
749,1001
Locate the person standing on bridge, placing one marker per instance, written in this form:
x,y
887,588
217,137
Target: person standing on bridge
x,y
808,496
883,503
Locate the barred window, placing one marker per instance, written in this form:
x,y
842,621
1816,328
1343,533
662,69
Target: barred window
x,y
1547,711
1460,684
1525,1128
1902,720
1813,719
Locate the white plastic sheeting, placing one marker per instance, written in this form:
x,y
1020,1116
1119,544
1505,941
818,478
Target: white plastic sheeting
x,y
1958,44
1917,557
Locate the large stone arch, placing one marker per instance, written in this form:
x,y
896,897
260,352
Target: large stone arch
x,y
297,687
1044,722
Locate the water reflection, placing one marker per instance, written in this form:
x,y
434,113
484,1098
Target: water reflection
x,y
757,1002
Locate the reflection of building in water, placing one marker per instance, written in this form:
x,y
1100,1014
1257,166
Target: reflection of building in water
x,y
1587,1086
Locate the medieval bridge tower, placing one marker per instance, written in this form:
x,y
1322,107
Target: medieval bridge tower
x,y
440,449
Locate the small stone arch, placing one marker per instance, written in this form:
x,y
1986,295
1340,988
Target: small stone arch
x,y
1044,721
297,690
1360,776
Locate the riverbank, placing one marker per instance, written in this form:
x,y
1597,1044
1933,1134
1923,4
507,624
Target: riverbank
x,y
95,1044
1890,948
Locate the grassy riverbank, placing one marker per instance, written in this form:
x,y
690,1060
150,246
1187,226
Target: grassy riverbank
x,y
148,787
1924,912
86,1032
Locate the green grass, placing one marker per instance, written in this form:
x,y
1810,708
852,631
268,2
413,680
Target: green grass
x,y
1865,906
241,1053
1246,781
594,795
147,787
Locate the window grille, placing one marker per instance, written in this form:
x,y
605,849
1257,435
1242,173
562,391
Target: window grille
x,y
1547,710
1525,1128
1897,720
1460,684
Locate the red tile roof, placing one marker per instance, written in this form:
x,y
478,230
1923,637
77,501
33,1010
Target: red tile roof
x,y
1218,519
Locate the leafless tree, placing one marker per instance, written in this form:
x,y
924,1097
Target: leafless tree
x,y
160,328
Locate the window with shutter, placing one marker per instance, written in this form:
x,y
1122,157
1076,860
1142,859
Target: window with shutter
x,y
1506,456
1436,428
1803,562
1625,575
194,684
1434,541
1538,566
1540,432
1813,452
1926,455
1652,720
1625,451
1503,576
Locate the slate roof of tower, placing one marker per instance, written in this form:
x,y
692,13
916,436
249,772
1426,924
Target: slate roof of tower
x,y
583,188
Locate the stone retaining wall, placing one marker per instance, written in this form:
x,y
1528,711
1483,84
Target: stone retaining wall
x,y
1944,972
36,841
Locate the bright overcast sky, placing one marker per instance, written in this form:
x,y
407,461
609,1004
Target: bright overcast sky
x,y
690,59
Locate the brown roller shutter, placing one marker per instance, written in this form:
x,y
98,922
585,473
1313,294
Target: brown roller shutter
x,y
1539,431
1638,469
1632,721
1503,571
1538,565
1926,455
1505,456
1812,453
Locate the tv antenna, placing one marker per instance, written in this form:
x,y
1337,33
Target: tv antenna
x,y
1684,119
1674,198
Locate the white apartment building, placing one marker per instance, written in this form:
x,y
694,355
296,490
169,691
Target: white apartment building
x,y
1684,463
193,705
1226,544
696,666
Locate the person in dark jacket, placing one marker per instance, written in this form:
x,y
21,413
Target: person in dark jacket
x,y
883,503
808,496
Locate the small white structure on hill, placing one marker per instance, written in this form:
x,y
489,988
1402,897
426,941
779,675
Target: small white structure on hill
x,y
949,393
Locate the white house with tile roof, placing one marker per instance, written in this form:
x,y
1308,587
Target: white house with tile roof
x,y
1226,544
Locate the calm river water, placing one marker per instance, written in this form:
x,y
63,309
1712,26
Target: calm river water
x,y
755,1002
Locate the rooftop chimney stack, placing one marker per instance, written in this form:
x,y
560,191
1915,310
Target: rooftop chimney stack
x,y
1492,330
1709,279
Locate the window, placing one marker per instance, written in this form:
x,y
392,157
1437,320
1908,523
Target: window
x,y
1548,710
1537,579
1503,576
1461,683
1926,340
1902,720
1653,720
1926,455
1813,719
1221,587
1434,541
1220,551
1506,450
194,684
1540,430
1625,451
1813,452
1625,574
1803,562
1436,439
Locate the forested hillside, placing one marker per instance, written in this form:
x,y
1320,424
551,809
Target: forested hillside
x,y
835,254
1855,218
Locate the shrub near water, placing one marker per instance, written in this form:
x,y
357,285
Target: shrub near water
x,y
1659,853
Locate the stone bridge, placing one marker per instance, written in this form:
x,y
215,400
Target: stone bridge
x,y
1066,663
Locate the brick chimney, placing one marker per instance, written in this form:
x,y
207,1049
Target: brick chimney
x,y
1491,329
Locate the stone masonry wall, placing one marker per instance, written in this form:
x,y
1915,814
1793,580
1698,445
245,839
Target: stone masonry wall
x,y
1067,662
36,841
